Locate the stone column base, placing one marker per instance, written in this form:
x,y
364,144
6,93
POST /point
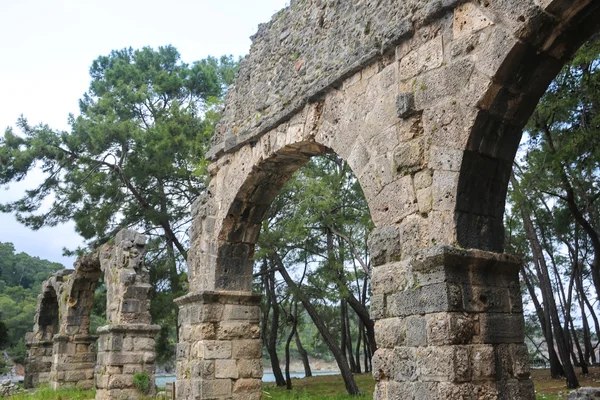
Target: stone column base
x,y
123,351
449,325
219,354
74,361
38,364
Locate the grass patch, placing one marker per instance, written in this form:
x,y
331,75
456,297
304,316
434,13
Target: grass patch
x,y
46,393
320,388
332,387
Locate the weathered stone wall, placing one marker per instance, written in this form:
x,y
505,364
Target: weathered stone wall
x,y
450,325
219,354
73,353
425,100
61,349
307,48
38,362
126,344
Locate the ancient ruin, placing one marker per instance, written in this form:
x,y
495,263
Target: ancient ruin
x,y
61,349
426,101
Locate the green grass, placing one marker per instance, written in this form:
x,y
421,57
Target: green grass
x,y
320,388
46,393
332,387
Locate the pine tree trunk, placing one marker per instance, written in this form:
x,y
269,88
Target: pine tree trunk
x,y
288,378
347,376
358,346
303,355
549,301
272,341
556,369
348,335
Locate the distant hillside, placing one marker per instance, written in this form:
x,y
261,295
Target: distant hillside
x,y
21,276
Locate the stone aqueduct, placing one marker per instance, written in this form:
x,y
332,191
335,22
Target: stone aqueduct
x,y
61,349
426,100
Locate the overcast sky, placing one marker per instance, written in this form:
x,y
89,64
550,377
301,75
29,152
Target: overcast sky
x,y
46,49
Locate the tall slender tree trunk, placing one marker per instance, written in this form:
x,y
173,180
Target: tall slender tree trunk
x,y
549,301
272,341
288,378
347,344
341,360
302,351
556,369
358,346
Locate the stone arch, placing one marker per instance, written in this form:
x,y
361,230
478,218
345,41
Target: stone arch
x,y
522,73
39,343
61,348
426,101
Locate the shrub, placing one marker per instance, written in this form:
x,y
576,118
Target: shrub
x,y
142,382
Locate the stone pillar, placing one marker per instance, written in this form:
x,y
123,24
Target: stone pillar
x,y
123,351
219,354
74,361
38,363
449,324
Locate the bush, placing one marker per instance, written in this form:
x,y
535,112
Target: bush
x,y
142,382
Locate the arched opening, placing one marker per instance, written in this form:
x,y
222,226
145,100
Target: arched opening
x,y
313,269
40,342
242,225
487,169
517,86
48,317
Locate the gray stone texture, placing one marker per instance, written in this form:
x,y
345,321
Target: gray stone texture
x,y
60,349
584,394
219,353
441,335
426,101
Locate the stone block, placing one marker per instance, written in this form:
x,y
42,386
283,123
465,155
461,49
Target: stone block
x,y
416,331
502,328
450,328
426,300
246,349
390,278
468,18
428,56
409,156
390,332
385,245
250,368
483,362
423,179
405,105
443,364
216,349
241,312
378,307
425,200
209,389
444,190
395,202
230,330
247,386
143,343
486,299
226,369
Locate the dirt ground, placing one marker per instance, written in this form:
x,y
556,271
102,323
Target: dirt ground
x,y
545,385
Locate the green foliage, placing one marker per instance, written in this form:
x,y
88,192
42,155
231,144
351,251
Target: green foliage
x,y
319,221
21,277
133,158
142,382
557,183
